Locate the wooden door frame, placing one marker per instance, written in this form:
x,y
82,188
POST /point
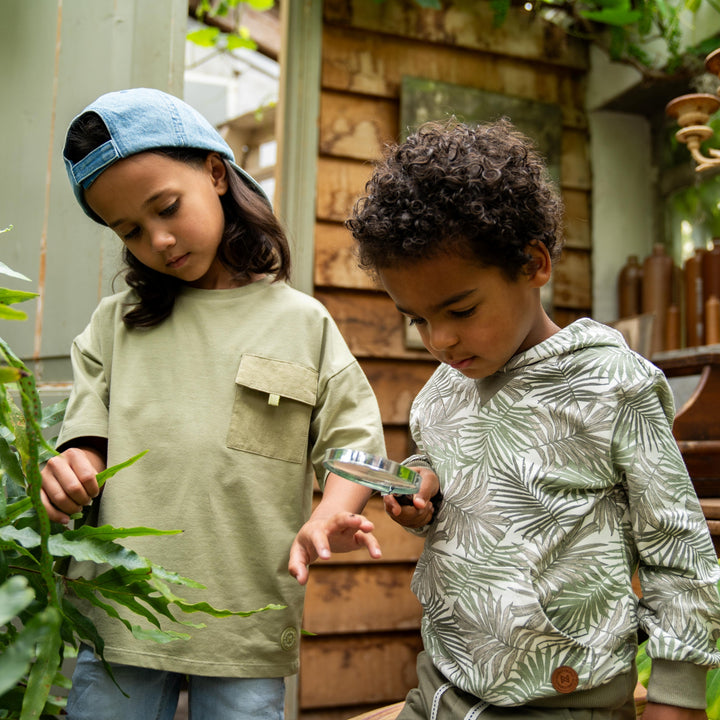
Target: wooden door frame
x,y
297,132
296,174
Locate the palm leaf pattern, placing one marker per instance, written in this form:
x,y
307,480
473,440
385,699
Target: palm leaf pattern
x,y
560,474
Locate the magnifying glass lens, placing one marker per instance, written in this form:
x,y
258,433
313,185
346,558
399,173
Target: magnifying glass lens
x,y
374,471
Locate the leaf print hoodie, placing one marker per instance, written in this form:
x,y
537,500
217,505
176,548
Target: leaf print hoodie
x,y
560,477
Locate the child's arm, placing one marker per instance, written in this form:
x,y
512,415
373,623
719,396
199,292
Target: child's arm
x,y
69,480
678,566
656,711
334,526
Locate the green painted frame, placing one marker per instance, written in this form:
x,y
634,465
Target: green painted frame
x,y
297,132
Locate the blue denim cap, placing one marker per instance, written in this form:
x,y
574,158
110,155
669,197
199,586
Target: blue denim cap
x,y
143,119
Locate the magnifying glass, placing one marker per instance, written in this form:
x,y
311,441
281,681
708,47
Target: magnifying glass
x,y
374,471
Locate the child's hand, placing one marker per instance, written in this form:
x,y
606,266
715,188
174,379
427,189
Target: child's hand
x,y
656,711
319,537
421,511
69,482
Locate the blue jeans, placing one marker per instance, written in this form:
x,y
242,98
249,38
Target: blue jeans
x,y
153,694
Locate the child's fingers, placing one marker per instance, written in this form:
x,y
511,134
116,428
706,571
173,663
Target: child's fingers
x,y
342,532
416,515
429,485
298,563
84,470
54,514
70,481
349,521
338,534
66,493
392,506
370,542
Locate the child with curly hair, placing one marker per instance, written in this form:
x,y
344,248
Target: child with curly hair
x,y
552,447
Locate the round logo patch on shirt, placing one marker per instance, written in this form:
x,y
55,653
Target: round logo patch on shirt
x,y
288,638
564,679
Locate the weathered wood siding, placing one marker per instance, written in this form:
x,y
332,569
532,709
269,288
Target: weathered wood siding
x,y
365,618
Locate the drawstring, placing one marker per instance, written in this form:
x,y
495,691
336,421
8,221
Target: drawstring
x,y
474,711
436,699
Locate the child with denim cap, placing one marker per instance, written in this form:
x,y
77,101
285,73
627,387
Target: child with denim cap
x,y
553,450
237,385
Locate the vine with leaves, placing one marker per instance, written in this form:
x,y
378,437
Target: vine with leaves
x,y
213,36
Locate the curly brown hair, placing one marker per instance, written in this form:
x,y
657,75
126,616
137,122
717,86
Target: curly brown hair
x,y
482,191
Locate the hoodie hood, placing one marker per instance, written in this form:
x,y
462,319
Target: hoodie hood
x,y
583,334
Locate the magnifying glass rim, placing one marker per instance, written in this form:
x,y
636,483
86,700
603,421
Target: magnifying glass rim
x,y
402,480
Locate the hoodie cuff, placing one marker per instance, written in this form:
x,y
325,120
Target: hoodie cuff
x,y
418,461
677,683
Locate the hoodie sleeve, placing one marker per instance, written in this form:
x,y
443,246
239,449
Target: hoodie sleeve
x,y
678,567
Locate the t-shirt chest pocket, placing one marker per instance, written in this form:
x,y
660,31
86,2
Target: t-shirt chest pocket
x,y
274,400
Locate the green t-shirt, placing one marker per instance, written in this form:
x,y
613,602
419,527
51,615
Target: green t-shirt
x,y
237,396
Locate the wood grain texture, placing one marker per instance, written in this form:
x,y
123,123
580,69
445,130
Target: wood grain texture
x,y
364,655
396,383
355,712
373,65
376,668
572,274
357,598
336,264
575,165
340,183
577,219
356,127
370,324
462,24
398,442
349,712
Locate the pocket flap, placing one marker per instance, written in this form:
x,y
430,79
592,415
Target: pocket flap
x,y
278,377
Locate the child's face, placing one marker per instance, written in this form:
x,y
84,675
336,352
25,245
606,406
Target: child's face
x,y
168,214
469,316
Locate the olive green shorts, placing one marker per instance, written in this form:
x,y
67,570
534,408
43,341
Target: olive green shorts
x,y
437,699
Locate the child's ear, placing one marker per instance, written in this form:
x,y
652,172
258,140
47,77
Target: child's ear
x,y
218,172
539,267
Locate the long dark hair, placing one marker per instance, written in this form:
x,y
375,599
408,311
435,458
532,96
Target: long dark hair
x,y
253,240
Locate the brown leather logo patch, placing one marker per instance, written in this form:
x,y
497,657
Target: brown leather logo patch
x,y
564,679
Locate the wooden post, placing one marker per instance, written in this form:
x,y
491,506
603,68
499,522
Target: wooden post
x,y
297,131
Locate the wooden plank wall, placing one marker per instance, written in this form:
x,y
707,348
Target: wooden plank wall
x,y
365,618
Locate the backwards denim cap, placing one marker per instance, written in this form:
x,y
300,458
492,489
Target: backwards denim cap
x,y
143,119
